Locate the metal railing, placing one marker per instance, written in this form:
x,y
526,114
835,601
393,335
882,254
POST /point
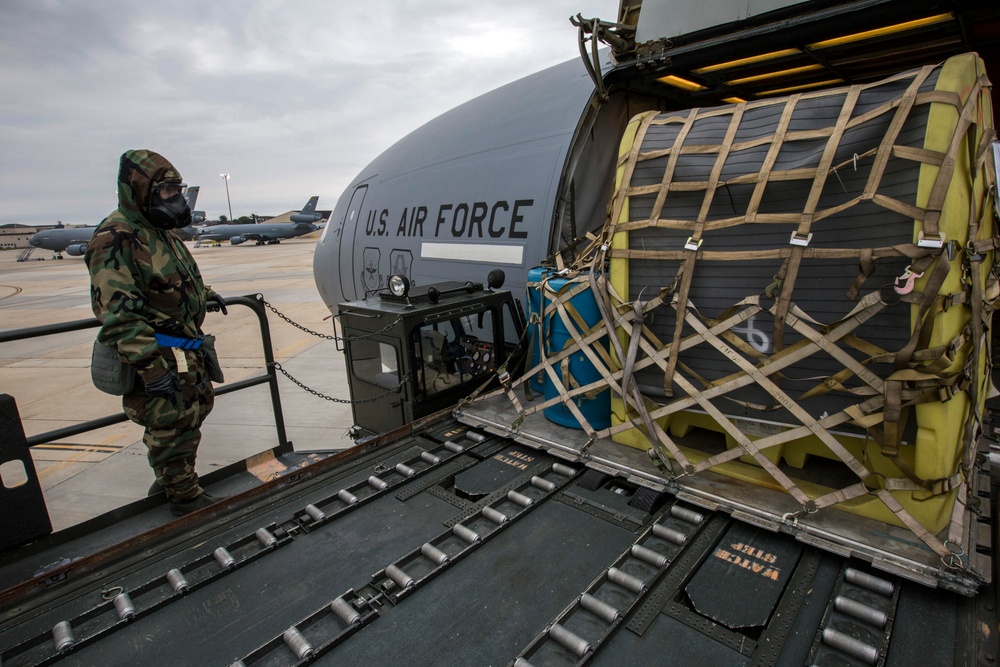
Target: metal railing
x,y
255,302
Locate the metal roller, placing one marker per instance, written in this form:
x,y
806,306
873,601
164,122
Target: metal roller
x,y
299,645
405,470
402,579
495,515
859,578
62,636
543,484
564,470
434,554
519,499
850,646
466,534
177,581
570,640
315,513
377,484
860,611
649,556
238,663
521,662
475,437
224,558
626,581
124,607
345,612
266,539
599,608
453,447
669,534
684,514
347,497
427,457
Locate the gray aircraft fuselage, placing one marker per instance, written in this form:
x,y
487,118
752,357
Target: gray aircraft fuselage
x,y
262,233
71,240
481,187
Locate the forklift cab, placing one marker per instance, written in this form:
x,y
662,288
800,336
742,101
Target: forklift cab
x,y
414,352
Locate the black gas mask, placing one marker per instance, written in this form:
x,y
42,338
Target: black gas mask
x,y
170,211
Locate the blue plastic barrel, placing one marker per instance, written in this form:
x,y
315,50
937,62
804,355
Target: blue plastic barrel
x,y
535,277
596,410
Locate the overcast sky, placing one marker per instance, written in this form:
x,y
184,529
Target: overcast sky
x,y
291,99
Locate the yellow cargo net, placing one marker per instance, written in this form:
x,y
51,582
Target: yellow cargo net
x,y
951,266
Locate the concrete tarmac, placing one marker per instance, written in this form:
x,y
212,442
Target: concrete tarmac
x,y
49,377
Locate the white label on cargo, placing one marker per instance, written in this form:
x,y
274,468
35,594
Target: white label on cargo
x,y
760,429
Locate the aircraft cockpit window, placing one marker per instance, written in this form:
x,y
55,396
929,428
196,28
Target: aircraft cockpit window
x,y
452,352
376,363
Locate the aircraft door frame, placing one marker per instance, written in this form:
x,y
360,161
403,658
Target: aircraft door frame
x,y
346,262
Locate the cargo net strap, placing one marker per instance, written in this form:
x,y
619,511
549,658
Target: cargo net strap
x,y
919,373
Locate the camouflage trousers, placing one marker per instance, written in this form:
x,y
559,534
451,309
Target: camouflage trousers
x,y
173,425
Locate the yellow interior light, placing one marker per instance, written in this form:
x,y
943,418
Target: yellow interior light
x,y
775,75
683,84
887,30
748,61
733,100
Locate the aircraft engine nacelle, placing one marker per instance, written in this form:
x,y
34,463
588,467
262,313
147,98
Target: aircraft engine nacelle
x,y
76,250
306,217
236,240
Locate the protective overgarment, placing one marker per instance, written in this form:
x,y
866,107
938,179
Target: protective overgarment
x,y
144,281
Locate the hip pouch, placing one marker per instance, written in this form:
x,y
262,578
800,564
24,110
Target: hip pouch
x,y
211,359
109,372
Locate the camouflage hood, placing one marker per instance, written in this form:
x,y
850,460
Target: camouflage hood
x,y
138,172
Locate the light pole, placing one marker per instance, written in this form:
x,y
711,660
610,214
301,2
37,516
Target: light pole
x,y
225,177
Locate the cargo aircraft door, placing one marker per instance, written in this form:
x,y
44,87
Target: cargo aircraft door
x,y
350,263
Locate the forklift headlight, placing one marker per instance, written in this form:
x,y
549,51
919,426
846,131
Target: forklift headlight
x,y
399,285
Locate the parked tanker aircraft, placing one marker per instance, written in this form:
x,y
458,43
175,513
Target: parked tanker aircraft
x,y
267,232
73,240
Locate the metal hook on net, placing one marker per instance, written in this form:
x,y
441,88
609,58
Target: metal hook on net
x,y
953,560
904,284
515,426
792,517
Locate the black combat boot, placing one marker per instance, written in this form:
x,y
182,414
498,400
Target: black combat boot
x,y
180,508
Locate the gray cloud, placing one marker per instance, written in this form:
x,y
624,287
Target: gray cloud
x,y
291,98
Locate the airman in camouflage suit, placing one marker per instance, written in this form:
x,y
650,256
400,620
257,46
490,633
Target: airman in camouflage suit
x,y
144,281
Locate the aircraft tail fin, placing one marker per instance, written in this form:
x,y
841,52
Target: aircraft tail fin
x,y
192,195
308,213
310,206
192,198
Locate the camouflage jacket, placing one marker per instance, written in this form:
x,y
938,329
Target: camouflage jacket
x,y
143,279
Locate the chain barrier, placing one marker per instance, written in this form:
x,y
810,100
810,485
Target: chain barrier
x,y
346,401
334,337
299,326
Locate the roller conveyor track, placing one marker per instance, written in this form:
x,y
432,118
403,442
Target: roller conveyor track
x,y
445,548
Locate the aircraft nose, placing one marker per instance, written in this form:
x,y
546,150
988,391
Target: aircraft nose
x,y
34,242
